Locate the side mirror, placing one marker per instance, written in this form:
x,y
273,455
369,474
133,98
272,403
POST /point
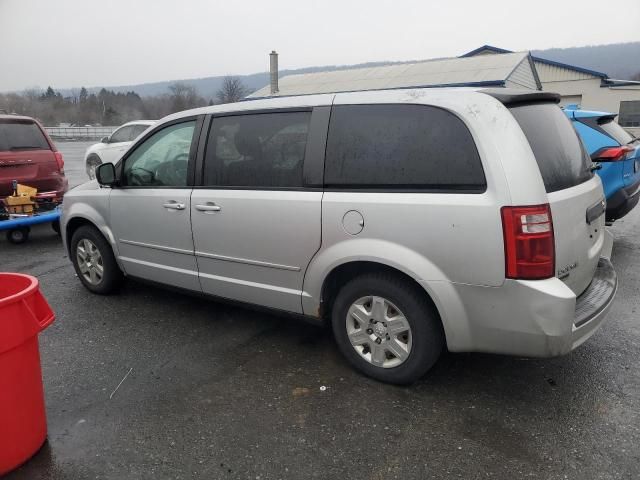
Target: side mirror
x,y
104,140
106,174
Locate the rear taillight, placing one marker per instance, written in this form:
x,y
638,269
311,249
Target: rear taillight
x,y
611,154
59,161
529,249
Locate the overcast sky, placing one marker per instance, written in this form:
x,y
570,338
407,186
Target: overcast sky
x,y
70,43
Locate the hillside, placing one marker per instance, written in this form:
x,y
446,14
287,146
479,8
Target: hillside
x,y
619,60
208,86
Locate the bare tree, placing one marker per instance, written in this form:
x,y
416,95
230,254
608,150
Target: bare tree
x,y
232,90
183,96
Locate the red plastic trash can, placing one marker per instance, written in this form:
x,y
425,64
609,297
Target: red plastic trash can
x,y
23,424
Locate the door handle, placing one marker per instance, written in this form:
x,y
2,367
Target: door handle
x,y
173,205
208,207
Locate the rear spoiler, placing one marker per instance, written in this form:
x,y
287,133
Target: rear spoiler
x,y
607,118
510,97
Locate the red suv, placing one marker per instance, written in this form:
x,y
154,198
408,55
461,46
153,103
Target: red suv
x,y
28,155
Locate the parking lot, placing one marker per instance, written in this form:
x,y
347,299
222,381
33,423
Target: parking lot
x,y
218,391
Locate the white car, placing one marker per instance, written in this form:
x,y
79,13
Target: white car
x,y
111,148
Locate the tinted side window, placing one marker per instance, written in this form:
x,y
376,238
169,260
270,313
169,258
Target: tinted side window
x,y
162,159
561,157
261,150
122,134
401,146
20,135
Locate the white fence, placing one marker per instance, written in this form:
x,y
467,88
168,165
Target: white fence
x,y
79,133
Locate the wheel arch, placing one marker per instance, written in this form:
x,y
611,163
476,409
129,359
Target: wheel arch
x,y
343,260
436,293
92,157
74,223
345,272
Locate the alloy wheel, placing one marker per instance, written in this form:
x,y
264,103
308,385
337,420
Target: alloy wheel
x,y
90,261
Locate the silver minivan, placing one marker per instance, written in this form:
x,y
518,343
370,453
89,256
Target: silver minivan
x,y
409,220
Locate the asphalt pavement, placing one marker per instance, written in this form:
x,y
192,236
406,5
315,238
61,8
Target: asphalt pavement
x,y
216,391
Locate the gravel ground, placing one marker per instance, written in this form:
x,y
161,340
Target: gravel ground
x,y
217,392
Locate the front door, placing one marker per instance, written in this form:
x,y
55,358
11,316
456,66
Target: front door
x,y
150,213
255,226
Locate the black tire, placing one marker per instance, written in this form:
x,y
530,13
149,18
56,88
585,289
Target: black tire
x,y
92,162
55,225
426,328
18,235
112,275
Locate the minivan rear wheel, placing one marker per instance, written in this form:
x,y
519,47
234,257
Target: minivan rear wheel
x,y
94,262
387,328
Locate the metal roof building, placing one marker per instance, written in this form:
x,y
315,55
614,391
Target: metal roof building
x,y
515,70
590,89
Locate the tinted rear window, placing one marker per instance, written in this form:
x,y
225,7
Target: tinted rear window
x,y
20,135
401,146
615,131
561,157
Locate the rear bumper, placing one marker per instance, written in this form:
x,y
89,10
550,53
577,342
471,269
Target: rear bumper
x,y
594,303
622,202
541,318
57,183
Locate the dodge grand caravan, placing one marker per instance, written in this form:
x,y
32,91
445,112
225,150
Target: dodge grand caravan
x,y
28,156
410,220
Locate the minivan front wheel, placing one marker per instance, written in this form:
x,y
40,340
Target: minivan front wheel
x,y
93,162
386,327
94,262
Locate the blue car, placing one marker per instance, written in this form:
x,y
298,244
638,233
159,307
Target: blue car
x,y
617,153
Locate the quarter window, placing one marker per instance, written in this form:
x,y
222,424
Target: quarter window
x,y
136,130
401,146
123,134
162,159
561,157
257,150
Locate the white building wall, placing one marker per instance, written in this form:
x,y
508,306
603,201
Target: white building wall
x,y
592,95
571,100
551,73
522,76
579,87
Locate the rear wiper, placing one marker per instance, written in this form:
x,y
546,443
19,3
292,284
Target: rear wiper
x,y
25,147
633,140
